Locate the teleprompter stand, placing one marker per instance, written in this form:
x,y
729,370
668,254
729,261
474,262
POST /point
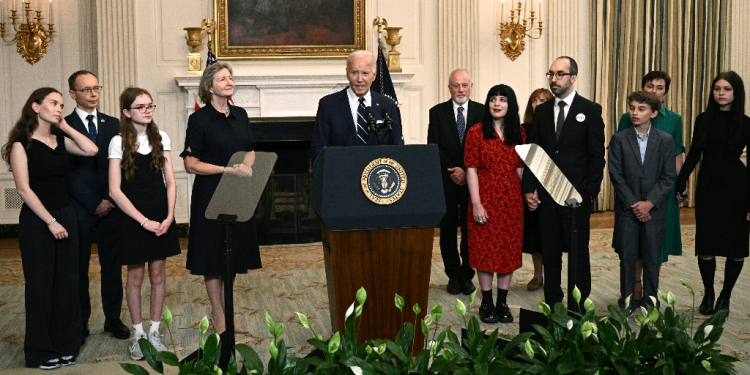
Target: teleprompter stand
x,y
234,201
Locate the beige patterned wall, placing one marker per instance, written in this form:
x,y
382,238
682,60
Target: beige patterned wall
x,y
117,52
458,36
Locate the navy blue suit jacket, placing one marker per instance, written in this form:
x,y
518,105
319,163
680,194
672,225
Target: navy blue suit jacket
x,y
88,181
334,123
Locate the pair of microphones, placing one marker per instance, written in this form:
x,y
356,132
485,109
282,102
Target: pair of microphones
x,y
374,128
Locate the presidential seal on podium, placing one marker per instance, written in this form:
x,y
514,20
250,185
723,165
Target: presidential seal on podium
x,y
383,181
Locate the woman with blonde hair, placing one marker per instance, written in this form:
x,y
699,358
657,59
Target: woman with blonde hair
x,y
141,182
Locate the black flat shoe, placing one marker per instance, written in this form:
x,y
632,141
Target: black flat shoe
x,y
487,313
116,328
707,305
467,287
722,304
503,313
454,286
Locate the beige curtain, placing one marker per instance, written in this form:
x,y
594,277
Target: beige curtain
x,y
687,39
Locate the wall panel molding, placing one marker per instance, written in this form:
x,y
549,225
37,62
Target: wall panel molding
x,y
458,37
116,36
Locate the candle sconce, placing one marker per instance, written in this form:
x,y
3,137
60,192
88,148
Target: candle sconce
x,y
31,38
513,33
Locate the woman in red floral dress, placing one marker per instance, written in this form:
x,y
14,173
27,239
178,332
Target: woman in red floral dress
x,y
494,177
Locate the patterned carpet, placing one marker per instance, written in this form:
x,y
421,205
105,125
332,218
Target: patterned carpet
x,y
293,279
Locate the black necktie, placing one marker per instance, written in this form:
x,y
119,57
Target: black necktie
x,y
92,128
560,119
361,122
461,123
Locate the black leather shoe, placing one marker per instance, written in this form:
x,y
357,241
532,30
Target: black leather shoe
x,y
707,305
454,286
467,287
116,328
722,304
503,313
487,313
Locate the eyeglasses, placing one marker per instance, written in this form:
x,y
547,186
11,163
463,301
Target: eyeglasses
x,y
145,108
89,90
558,75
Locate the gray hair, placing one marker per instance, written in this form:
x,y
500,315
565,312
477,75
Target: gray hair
x,y
456,71
207,80
360,54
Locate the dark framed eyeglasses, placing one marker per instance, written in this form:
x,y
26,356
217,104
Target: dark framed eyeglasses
x,y
145,108
558,75
89,90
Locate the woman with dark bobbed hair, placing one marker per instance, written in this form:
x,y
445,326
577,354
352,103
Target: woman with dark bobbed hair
x,y
214,133
494,177
722,195
37,152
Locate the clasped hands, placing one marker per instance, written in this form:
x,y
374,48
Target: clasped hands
x,y
241,169
157,227
641,210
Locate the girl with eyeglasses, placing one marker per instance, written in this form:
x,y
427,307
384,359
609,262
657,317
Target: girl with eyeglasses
x,y
141,182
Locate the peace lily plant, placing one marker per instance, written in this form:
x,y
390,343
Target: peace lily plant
x,y
663,343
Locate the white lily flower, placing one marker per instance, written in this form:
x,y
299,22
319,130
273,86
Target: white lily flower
x,y
707,329
356,370
570,324
349,311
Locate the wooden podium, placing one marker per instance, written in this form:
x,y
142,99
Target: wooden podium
x,y
385,248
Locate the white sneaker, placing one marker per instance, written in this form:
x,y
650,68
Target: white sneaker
x,y
155,339
135,349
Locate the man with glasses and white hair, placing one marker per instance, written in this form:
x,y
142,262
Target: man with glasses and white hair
x,y
570,129
88,185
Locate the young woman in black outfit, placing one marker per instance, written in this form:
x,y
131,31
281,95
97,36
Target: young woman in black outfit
x,y
141,182
37,151
722,196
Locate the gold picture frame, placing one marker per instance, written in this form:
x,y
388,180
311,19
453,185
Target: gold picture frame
x,y
289,29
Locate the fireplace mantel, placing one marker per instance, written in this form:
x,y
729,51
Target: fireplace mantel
x,y
282,95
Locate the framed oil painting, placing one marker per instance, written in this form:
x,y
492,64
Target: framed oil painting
x,y
289,29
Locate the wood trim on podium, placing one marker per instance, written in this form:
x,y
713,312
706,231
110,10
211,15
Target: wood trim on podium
x,y
384,262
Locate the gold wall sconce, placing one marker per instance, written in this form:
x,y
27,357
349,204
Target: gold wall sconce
x,y
513,33
31,37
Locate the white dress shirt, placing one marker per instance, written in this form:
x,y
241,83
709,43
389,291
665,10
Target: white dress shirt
x,y
82,114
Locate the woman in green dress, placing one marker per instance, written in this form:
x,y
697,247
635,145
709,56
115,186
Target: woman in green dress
x,y
657,82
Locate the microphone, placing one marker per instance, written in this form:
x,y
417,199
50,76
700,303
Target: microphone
x,y
387,118
370,118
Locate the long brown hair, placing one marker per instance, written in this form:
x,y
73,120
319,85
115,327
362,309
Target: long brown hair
x,y
28,122
528,116
731,140
130,137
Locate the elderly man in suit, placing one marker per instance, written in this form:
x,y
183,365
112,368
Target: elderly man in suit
x,y
642,168
342,119
449,123
570,129
88,185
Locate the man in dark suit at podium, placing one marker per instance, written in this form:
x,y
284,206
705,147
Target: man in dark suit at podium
x,y
88,185
449,122
342,118
570,129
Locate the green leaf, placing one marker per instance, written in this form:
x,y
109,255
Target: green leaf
x,y
133,369
471,297
358,311
687,285
203,326
303,320
706,365
399,302
167,317
416,309
270,324
361,296
460,308
250,358
448,354
565,368
528,349
149,354
333,345
168,357
586,329
544,308
232,365
653,315
425,328
273,350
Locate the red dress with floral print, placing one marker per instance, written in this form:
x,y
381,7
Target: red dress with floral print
x,y
496,246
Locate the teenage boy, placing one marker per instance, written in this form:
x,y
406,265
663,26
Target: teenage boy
x,y
642,169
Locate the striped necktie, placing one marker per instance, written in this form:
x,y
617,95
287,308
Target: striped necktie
x,y
361,122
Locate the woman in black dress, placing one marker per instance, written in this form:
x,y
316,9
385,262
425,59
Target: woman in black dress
x,y
722,195
531,236
37,152
214,133
141,182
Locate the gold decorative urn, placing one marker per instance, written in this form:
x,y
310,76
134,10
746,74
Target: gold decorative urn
x,y
394,57
194,40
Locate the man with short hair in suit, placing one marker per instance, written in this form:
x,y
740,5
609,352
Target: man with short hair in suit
x,y
88,185
570,129
449,123
342,118
643,171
